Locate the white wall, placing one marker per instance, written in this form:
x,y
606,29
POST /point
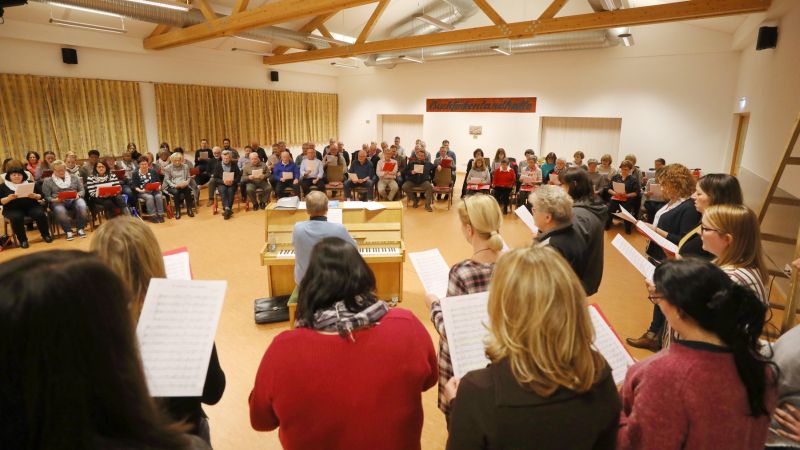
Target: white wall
x,y
674,91
770,79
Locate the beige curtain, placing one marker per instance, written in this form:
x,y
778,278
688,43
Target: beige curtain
x,y
68,114
188,113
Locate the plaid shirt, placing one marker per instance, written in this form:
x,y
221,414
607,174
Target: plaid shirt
x,y
466,277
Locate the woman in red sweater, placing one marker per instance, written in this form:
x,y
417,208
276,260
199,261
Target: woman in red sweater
x,y
351,375
712,388
504,179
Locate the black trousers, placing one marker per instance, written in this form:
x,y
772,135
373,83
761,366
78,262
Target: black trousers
x,y
502,194
287,189
182,195
109,204
17,219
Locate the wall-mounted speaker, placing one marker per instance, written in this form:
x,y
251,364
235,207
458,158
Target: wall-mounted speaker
x,y
69,55
273,75
767,38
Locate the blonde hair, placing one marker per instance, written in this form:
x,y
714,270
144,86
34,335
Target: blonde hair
x,y
177,156
554,201
316,203
57,163
741,223
538,321
484,216
131,250
631,157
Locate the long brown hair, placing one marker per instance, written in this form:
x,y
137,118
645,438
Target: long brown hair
x,y
539,321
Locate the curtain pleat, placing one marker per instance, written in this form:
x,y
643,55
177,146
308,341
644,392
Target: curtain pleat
x,y
68,114
188,113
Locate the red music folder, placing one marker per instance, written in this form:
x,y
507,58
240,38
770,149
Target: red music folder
x,y
446,163
67,195
109,191
389,166
120,173
155,186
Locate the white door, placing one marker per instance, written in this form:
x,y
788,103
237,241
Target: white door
x,y
407,126
594,136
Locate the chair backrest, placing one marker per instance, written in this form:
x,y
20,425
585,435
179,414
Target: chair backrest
x,y
443,178
334,174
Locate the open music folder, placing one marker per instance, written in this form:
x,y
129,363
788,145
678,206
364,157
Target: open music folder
x,y
466,321
176,333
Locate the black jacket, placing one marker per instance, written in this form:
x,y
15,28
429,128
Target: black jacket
x,y
572,246
676,222
492,410
589,218
418,178
237,174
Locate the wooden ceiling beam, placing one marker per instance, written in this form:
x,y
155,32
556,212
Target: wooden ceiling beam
x,y
553,9
205,8
272,13
323,30
490,12
645,15
160,29
373,19
241,5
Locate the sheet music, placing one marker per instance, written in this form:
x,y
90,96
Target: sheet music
x,y
432,270
353,205
554,179
655,189
523,213
24,189
335,215
418,168
608,344
257,173
625,215
287,176
618,187
311,165
352,176
639,262
177,266
661,241
466,319
176,333
375,206
227,176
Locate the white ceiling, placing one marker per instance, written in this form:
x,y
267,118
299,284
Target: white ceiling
x,y
348,22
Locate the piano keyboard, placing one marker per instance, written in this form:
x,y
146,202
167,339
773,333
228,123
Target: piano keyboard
x,y
367,251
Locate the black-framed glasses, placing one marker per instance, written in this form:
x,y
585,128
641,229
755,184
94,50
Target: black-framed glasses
x,y
704,228
654,298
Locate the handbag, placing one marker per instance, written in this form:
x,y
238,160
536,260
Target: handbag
x,y
272,309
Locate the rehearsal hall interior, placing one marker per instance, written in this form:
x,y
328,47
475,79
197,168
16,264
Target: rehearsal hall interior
x,y
398,224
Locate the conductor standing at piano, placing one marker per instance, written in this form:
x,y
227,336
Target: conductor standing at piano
x,y
306,234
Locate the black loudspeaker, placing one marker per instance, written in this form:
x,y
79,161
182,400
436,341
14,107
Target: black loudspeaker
x,y
767,38
273,75
69,55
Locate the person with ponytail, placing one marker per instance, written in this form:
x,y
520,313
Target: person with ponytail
x,y
712,388
480,225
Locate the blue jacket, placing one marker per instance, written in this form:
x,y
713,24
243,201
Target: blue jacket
x,y
277,172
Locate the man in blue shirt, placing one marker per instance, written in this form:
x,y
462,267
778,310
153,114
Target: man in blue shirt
x,y
360,175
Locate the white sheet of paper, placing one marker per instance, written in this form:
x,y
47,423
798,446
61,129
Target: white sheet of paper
x,y
661,241
353,205
466,321
176,333
24,189
619,188
554,179
227,176
311,165
432,270
639,262
418,168
608,344
625,215
375,206
655,189
523,213
301,205
177,266
475,181
287,176
353,177
257,172
335,215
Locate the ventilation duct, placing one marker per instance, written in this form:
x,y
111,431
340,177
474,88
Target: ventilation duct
x,y
179,19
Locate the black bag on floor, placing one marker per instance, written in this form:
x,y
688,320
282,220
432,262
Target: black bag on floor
x,y
272,309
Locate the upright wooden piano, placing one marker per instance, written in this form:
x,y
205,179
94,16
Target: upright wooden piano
x,y
379,235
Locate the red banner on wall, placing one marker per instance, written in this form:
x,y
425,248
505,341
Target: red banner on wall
x,y
507,105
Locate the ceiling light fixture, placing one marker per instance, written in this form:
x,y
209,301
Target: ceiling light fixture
x,y
81,8
502,51
410,59
344,66
627,39
254,40
252,52
163,4
444,26
87,26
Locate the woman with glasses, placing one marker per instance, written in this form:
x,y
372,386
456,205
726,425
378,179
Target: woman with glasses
x,y
480,225
712,388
